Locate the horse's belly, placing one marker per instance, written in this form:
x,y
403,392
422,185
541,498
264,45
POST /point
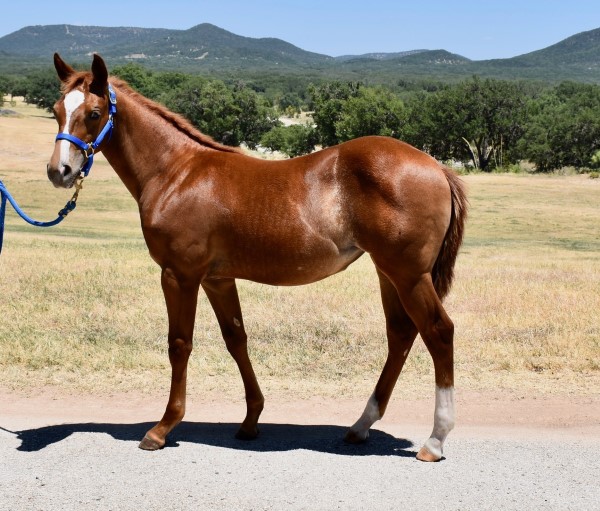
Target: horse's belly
x,y
291,269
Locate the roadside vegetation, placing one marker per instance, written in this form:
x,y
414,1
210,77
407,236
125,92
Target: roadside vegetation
x,y
478,124
82,306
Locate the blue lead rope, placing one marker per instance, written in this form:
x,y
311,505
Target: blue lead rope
x,y
4,195
88,150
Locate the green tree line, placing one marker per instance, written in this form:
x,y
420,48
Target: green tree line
x,y
484,123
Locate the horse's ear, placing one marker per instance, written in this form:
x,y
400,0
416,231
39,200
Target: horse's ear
x,y
99,71
62,68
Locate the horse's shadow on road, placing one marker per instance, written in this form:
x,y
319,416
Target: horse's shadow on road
x,y
272,438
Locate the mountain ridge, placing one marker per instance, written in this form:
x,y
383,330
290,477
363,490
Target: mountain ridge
x,y
208,48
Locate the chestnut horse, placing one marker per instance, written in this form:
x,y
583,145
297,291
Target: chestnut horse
x,y
211,214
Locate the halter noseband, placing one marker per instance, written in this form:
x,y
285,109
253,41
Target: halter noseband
x,y
90,148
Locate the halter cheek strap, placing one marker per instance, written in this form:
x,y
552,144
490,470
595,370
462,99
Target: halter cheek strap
x,y
89,148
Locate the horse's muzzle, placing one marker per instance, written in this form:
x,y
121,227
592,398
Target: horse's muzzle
x,y
61,177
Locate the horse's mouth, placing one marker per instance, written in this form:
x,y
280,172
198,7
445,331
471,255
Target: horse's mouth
x,y
71,181
62,181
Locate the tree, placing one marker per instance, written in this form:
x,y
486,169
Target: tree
x,y
289,102
17,86
208,105
230,116
255,116
138,77
42,89
293,140
3,89
565,128
372,111
595,160
328,101
7,87
164,83
475,120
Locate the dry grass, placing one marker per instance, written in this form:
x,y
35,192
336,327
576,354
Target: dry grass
x,y
81,305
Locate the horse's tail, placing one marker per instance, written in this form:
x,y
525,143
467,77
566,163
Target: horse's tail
x,y
443,269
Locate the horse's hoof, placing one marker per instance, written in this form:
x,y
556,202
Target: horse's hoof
x,y
246,435
355,437
148,444
425,454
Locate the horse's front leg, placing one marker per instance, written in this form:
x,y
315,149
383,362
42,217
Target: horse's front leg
x,y
181,297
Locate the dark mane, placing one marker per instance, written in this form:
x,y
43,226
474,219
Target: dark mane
x,y
176,120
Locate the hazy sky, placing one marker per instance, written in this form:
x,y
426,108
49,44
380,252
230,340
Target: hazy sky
x,y
477,29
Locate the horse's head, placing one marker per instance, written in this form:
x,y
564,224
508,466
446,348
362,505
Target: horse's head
x,y
82,112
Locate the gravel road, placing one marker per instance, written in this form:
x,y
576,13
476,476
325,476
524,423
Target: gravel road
x,y
46,464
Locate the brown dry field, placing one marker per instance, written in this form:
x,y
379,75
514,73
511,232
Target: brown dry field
x,y
81,308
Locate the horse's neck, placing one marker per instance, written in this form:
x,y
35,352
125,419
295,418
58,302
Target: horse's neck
x,y
141,147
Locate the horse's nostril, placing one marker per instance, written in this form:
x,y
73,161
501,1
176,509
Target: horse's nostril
x,y
67,170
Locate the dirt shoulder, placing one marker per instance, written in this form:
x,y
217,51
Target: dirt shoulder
x,y
478,413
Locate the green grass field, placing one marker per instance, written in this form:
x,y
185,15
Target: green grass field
x,y
81,305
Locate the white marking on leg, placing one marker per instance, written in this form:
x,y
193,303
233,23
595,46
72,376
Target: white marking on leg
x,y
73,100
236,322
367,419
443,420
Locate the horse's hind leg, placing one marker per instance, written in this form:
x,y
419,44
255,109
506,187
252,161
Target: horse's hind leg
x,y
223,297
401,333
421,302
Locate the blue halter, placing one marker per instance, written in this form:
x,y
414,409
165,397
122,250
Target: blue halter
x,y
90,148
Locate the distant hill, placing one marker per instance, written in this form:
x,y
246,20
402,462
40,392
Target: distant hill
x,y
581,49
575,58
377,56
206,48
76,41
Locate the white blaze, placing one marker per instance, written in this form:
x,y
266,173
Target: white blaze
x,y
73,100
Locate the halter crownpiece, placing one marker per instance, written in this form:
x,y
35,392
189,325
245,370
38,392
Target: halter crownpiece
x,y
89,148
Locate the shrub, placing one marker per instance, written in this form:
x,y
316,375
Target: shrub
x,y
292,140
595,160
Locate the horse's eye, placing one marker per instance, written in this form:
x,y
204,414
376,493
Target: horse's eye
x,y
94,114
